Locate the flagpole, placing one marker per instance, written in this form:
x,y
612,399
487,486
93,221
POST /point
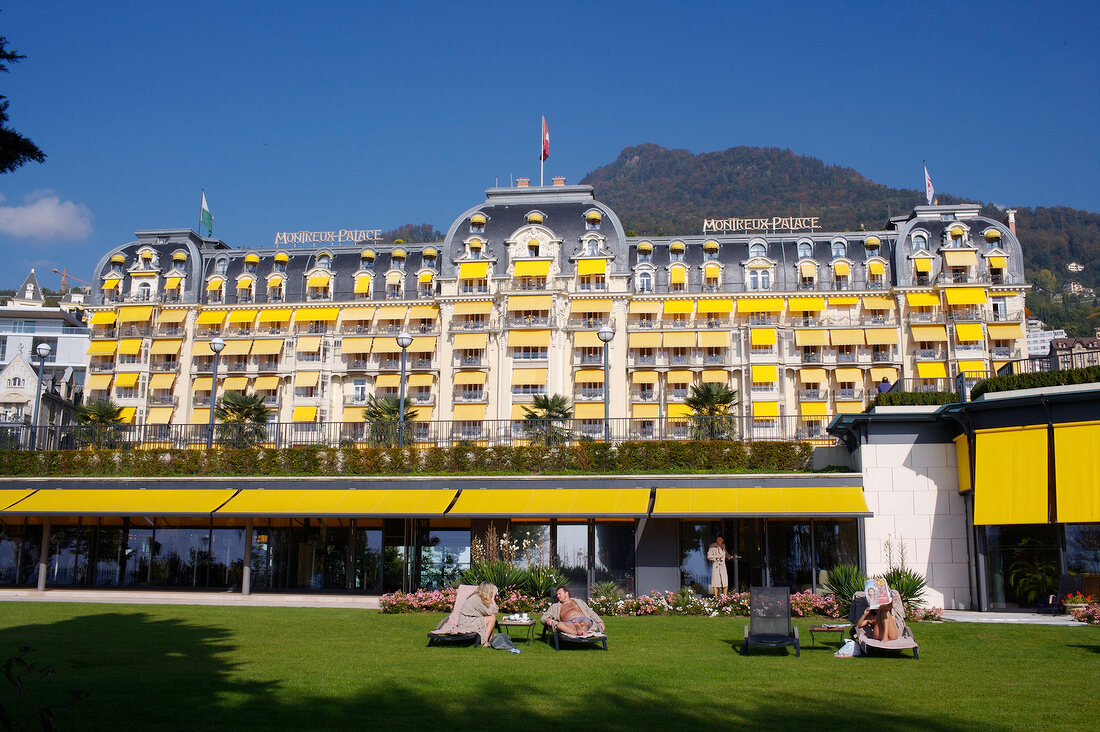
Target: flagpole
x,y
542,160
201,199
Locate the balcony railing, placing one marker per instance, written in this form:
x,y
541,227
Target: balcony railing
x,y
164,366
163,400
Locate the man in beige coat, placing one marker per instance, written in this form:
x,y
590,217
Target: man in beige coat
x,y
572,616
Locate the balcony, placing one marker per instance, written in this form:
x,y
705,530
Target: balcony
x,y
929,354
643,396
356,399
472,361
1014,316
917,316
163,400
677,359
104,333
528,321
420,363
200,401
811,357
99,368
357,364
878,356
967,314
647,324
470,396
235,367
588,394
1001,352
587,323
677,395
846,357
848,394
421,398
169,330
813,395
164,366
587,359
462,325
643,360
313,328
268,364
135,330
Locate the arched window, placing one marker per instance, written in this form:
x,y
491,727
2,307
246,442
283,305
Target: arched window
x,y
920,242
592,248
765,279
758,250
805,250
221,266
324,261
840,249
645,282
754,279
145,292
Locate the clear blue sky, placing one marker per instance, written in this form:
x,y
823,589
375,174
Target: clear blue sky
x,y
372,115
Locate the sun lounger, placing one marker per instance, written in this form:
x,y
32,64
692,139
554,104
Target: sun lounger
x,y
593,636
447,631
904,641
770,620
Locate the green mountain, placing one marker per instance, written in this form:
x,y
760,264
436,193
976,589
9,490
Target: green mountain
x,y
657,191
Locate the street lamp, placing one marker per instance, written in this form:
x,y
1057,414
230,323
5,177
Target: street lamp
x,y
216,346
606,334
404,339
43,350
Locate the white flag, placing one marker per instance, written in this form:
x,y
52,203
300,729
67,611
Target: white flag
x,y
205,217
929,191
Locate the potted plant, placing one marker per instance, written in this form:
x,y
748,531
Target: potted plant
x,y
1075,601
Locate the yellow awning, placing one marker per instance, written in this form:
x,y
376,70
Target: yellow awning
x,y
304,414
118,258
960,258
526,377
211,317
425,277
110,283
643,377
931,333
841,269
643,340
765,409
591,267
476,244
876,268
811,337
846,337
969,332
880,372
470,377
679,307
812,376
677,275
762,336
102,348
931,370
848,375
764,373
103,317
922,299
971,366
468,341
235,383
267,346
997,263
587,339
714,339
878,303
306,379
200,416
421,380
680,376
244,282
1077,472
392,312
215,283
966,296
645,411
121,502
1010,476
479,307
355,345
468,412
237,348
252,258
679,339
551,502
126,380
97,382
710,246
172,316
137,314
844,300
422,344
871,242
711,271
923,264
590,306
282,257
316,314
881,336
473,270
162,381
129,346
807,268
644,306
385,345
760,305
839,501
536,338
166,347
159,415
676,246
429,252
362,285
806,304
266,383
242,316
956,230
1005,331
588,376
353,414
992,234
813,409
398,254
645,247
588,410
714,376
276,315
318,280
387,381
714,306
679,411
394,278
530,302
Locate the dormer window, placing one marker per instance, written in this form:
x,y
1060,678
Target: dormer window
x,y
805,250
280,262
535,217
644,282
956,236
992,239
676,251
758,250
710,251
592,248
840,249
474,248
477,223
645,252
366,259
397,259
592,220
872,244
920,242
324,261
533,248
221,266
427,257
117,260
760,279
145,292
251,261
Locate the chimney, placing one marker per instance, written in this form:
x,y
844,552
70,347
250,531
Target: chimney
x,y
1010,219
559,180
523,182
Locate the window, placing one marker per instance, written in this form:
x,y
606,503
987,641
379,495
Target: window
x,y
470,286
758,250
676,255
280,266
250,267
145,292
425,289
590,282
398,263
840,282
275,293
840,249
592,248
244,293
324,261
221,266
15,381
805,250
760,279
920,242
528,389
529,353
366,263
393,291
645,256
645,282
532,248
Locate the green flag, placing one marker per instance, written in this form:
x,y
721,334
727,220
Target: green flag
x,y
205,217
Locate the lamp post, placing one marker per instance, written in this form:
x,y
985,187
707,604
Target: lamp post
x,y
43,350
404,339
216,346
606,334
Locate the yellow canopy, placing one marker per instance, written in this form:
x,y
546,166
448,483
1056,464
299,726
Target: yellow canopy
x,y
676,246
679,376
215,283
960,258
304,414
878,373
764,373
316,314
972,366
242,316
268,346
811,337
714,306
876,268
602,305
966,296
393,278
992,234
335,502
470,377
644,306
997,263
282,257
129,346
760,305
162,381
126,380
645,411
135,314
1077,471
110,283
812,376
762,336
643,340
807,268
211,317
923,264
362,284
844,300
679,339
530,302
930,333
677,275
552,502
422,344
878,303
121,502
1010,476
473,270
425,277
172,316
266,383
871,242
643,377
931,370
814,409
318,280
841,269
535,338
526,377
711,271
715,376
276,315
159,415
1005,331
102,348
679,411
714,339
532,268
244,282
922,299
306,379
881,336
468,412
645,247
679,307
468,341
846,337
235,383
172,283
587,339
969,332
103,317
848,374
588,410
387,381
764,410
824,501
478,307
591,267
806,304
98,382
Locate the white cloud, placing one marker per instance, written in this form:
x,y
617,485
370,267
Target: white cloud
x,y
44,216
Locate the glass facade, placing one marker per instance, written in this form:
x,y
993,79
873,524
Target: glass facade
x,y
1023,564
1083,548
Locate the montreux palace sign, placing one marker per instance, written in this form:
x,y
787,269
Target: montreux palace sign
x,y
340,236
770,225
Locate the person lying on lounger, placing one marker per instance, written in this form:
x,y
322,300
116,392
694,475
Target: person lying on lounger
x,y
479,612
879,624
571,616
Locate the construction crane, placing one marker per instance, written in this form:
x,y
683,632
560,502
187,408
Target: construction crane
x,y
65,277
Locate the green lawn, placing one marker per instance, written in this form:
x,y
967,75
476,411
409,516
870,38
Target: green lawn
x,y
217,667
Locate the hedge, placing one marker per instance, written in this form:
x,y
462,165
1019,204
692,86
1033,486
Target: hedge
x,y
582,458
1087,375
912,399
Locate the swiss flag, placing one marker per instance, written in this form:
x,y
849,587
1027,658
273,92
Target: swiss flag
x,y
545,141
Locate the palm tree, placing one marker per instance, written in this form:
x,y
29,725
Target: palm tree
x,y
100,412
541,418
383,414
711,406
242,418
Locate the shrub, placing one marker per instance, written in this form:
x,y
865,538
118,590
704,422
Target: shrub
x,y
844,581
909,584
1087,375
541,580
934,614
1090,614
421,601
501,573
808,603
913,399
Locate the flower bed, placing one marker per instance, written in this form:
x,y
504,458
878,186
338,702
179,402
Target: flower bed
x,y
442,601
1089,614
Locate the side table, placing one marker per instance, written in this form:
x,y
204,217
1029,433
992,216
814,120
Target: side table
x,y
505,626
